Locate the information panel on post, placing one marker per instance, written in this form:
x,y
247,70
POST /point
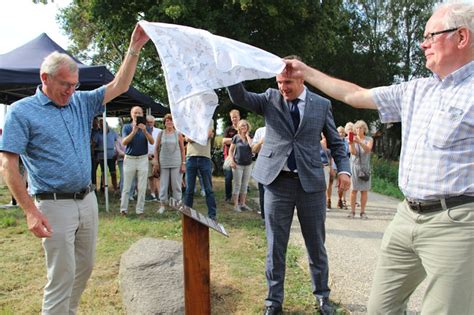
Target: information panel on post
x,y
197,216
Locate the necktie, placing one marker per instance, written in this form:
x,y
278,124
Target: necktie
x,y
295,117
295,113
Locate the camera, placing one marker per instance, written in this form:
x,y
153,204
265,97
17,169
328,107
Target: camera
x,y
141,120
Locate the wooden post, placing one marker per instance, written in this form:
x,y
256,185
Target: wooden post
x,y
197,291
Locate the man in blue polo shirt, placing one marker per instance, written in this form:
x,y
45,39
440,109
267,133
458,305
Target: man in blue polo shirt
x,y
136,137
50,131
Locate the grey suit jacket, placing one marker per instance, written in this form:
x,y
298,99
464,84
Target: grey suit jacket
x,y
281,139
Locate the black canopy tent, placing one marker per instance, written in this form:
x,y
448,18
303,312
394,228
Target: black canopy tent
x,y
19,77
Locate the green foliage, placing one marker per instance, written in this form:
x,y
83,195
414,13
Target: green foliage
x,y
385,169
368,42
385,177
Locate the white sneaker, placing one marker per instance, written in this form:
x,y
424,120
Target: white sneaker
x,y
237,208
161,210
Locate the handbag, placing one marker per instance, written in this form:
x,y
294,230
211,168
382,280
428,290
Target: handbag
x,y
227,162
362,172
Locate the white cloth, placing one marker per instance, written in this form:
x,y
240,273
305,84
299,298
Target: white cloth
x,y
195,62
259,134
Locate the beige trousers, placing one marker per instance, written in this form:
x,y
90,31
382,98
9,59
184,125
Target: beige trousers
x,y
134,166
70,251
438,246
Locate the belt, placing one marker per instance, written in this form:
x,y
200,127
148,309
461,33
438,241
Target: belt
x,y
288,174
438,205
75,195
136,157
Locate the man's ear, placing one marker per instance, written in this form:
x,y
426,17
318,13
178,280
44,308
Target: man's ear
x,y
464,37
44,78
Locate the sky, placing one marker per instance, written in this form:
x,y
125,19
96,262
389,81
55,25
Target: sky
x,y
22,21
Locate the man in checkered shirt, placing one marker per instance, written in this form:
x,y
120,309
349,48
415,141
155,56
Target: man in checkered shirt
x,y
432,234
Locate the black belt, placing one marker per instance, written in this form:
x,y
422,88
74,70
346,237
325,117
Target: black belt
x,y
289,174
75,195
433,206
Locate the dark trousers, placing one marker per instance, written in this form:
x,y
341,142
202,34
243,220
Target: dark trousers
x,y
261,197
281,198
228,184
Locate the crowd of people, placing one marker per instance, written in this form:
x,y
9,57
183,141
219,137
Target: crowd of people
x,y
299,151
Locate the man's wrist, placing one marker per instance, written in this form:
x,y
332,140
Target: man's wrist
x,y
133,52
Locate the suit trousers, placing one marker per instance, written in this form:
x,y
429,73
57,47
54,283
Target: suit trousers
x,y
70,251
281,198
438,246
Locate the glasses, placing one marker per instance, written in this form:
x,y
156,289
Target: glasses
x,y
431,36
67,85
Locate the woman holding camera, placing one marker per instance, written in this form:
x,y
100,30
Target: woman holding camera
x,y
360,147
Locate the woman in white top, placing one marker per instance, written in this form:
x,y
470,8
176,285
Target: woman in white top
x,y
169,160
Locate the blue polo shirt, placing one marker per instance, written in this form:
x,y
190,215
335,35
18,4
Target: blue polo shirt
x,y
53,142
139,144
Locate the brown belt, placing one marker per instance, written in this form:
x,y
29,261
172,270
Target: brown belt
x,y
75,195
433,206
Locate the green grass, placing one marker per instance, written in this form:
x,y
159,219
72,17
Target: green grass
x,y
385,177
238,283
237,263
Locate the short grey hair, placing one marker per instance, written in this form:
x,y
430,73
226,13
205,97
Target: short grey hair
x,y
54,61
150,117
458,14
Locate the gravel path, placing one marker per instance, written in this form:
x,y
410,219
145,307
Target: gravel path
x,y
352,246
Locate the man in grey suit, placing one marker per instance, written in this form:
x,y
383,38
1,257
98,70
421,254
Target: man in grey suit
x,y
289,165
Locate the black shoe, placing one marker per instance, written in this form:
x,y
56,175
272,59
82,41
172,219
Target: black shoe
x,y
272,310
325,307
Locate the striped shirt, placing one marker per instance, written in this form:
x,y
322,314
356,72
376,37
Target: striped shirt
x,y
437,116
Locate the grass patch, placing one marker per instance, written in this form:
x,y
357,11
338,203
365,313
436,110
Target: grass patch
x,y
385,177
238,284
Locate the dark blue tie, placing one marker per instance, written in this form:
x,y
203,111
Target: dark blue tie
x,y
295,113
295,117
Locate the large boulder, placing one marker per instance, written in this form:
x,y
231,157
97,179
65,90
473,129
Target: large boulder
x,y
151,277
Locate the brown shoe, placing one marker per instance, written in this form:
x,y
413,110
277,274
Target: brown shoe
x,y
328,203
340,205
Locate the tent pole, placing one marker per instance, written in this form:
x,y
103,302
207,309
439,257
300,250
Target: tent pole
x,y
104,141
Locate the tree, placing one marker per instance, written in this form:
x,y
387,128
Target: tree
x,y
369,42
99,29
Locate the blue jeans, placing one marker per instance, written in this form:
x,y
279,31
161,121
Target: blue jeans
x,y
228,184
203,165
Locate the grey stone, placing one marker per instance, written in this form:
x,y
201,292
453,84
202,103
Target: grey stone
x,y
151,277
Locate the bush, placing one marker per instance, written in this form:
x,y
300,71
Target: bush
x,y
385,177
